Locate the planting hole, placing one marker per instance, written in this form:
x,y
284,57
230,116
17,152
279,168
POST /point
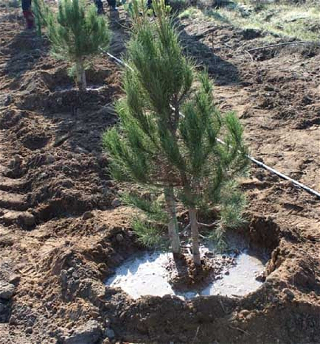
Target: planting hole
x,y
150,273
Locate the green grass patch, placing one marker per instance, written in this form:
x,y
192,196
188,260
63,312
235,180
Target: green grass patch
x,y
300,22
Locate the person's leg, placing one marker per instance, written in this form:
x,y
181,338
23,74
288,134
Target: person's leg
x,y
112,4
99,6
27,13
26,5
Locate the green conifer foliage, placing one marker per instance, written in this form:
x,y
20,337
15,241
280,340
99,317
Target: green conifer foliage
x,y
77,33
155,145
210,168
158,78
41,13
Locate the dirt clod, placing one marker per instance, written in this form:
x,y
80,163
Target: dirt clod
x,y
27,219
6,290
88,333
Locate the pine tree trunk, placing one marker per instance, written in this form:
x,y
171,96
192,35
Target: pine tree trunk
x,y
81,75
195,236
173,223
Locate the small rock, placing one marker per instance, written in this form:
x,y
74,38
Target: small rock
x,y
10,217
14,279
6,290
15,162
227,273
244,313
50,159
8,100
27,219
67,183
116,203
75,275
69,325
110,333
119,237
130,233
86,334
60,139
43,175
261,277
70,270
66,169
289,293
102,267
13,320
251,33
80,150
269,88
87,215
29,330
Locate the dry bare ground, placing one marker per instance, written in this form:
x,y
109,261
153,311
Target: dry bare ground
x,y
63,232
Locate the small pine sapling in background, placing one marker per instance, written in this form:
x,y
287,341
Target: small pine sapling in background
x,y
41,13
76,34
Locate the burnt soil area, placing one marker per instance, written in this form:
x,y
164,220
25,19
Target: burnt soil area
x,y
63,229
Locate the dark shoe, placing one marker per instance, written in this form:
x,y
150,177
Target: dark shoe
x,y
28,15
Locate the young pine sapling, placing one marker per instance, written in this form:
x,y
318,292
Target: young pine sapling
x,y
76,34
208,169
156,145
157,78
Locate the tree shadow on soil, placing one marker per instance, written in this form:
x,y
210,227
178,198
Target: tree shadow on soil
x,y
120,32
82,123
24,51
71,157
222,71
80,118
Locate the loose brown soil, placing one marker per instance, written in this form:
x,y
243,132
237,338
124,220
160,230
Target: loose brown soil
x,y
62,230
186,276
